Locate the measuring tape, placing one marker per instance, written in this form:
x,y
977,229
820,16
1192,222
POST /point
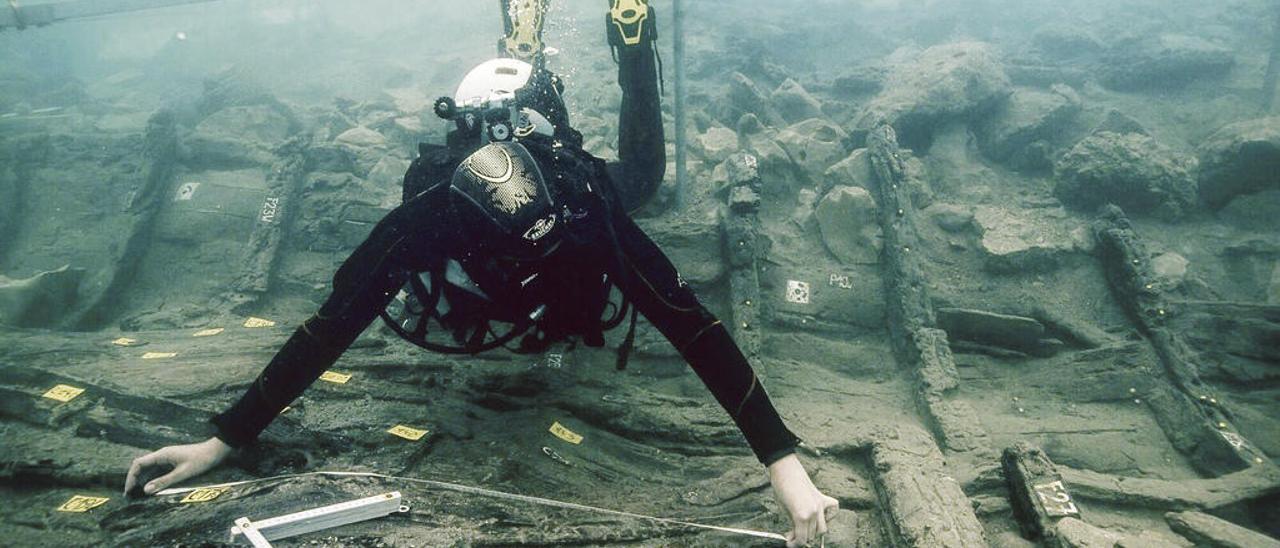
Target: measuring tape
x,y
488,493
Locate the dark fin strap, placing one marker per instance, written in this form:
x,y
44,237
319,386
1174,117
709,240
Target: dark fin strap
x,y
662,80
624,351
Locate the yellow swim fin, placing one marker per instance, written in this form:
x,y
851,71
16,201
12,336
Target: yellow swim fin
x,y
630,23
523,20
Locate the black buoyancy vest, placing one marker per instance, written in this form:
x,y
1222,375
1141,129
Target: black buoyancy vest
x,y
571,287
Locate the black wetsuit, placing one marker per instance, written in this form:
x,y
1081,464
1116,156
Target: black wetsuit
x,y
421,233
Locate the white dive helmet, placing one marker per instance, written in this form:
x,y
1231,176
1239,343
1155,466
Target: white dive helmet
x,y
494,83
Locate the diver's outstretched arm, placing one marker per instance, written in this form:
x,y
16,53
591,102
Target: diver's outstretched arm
x,y
642,151
364,285
362,288
658,292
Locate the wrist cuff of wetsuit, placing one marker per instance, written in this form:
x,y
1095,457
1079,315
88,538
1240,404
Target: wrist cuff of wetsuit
x,y
778,455
239,426
225,436
763,427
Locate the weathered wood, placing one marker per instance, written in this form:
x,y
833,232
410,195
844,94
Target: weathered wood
x,y
14,179
1212,532
741,225
1037,492
100,412
925,506
1196,423
1269,83
917,342
266,244
1196,494
19,16
161,156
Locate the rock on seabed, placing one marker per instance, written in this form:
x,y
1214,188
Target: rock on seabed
x,y
1130,170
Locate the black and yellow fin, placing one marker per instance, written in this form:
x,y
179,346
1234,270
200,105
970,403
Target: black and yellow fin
x,y
523,21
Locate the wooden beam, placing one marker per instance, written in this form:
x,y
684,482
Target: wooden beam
x,y
16,15
918,343
741,225
1037,491
1195,494
1212,532
1189,411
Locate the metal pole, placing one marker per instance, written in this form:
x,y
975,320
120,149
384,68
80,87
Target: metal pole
x,y
682,175
1269,89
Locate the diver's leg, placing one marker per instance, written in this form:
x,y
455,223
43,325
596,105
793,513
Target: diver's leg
x,y
641,143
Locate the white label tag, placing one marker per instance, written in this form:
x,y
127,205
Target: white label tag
x,y
186,192
797,292
1055,499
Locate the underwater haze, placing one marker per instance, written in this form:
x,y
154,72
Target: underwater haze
x,y
1010,269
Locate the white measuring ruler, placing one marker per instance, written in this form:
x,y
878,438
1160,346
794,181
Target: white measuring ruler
x,y
316,519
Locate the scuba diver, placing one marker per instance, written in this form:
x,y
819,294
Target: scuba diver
x,y
511,223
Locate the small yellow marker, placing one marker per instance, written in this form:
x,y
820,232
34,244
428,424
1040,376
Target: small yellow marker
x,y
208,332
408,433
63,393
204,495
255,323
565,434
335,378
125,341
82,503
158,355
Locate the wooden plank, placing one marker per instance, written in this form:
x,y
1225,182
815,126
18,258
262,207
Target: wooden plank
x,y
161,159
742,230
1212,532
1194,419
273,223
20,16
1037,492
1195,494
913,329
925,506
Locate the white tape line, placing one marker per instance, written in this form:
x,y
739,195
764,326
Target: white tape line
x,y
490,493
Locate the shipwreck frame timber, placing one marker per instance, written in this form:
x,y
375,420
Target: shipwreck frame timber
x,y
917,341
741,226
1192,417
266,243
15,15
161,155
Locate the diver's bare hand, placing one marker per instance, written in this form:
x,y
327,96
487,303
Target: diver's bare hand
x,y
804,503
185,461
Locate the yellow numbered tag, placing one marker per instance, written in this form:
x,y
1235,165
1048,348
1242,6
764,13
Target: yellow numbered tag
x,y
158,355
63,393
411,434
81,503
204,495
125,341
565,434
335,378
208,332
254,323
